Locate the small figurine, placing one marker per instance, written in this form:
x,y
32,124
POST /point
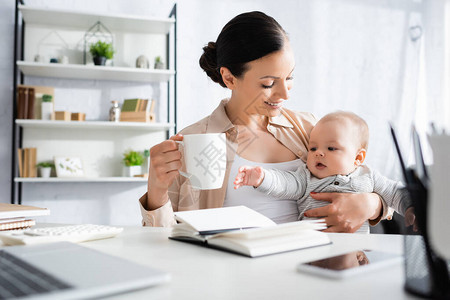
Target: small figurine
x,y
142,62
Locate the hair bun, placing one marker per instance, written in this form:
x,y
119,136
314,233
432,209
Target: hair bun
x,y
208,62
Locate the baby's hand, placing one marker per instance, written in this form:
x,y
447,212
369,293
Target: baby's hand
x,y
410,219
249,176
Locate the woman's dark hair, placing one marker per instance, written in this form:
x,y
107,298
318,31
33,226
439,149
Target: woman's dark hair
x,y
245,38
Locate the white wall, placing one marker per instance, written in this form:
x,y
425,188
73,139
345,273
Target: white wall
x,y
351,54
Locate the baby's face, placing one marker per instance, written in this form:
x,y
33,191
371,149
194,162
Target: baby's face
x,y
333,148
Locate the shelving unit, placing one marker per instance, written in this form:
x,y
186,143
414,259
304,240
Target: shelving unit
x,y
97,140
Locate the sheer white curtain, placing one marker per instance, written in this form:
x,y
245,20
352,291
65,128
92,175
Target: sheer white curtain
x,y
434,102
381,59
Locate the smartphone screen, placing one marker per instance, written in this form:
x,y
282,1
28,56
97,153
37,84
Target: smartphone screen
x,y
350,263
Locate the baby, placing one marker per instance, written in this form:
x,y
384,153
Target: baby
x,y
337,149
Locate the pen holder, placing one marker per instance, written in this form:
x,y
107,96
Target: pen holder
x,y
426,274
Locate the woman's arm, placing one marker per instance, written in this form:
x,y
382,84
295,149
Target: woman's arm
x,y
347,212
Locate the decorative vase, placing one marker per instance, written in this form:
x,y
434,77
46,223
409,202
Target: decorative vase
x,y
131,171
99,60
114,111
46,110
45,172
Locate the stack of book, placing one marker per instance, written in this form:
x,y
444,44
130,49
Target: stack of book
x,y
13,216
29,99
27,162
137,110
25,103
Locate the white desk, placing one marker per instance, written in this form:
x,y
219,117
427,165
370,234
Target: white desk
x,y
202,273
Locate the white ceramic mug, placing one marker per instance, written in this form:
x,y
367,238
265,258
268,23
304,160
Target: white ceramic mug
x,y
205,159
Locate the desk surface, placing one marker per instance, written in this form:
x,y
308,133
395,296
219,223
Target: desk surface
x,y
202,273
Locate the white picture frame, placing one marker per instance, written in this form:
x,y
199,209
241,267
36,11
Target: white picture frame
x,y
69,167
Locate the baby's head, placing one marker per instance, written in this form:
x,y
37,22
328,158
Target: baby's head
x,y
337,144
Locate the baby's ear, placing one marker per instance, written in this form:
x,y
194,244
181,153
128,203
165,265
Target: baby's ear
x,y
360,157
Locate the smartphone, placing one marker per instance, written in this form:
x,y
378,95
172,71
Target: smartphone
x,y
350,264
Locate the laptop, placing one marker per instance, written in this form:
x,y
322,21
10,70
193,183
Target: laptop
x,y
66,270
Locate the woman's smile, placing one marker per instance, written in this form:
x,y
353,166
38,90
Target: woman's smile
x,y
274,104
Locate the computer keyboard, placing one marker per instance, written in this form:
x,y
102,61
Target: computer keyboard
x,y
69,233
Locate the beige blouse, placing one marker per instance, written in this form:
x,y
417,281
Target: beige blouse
x,y
290,128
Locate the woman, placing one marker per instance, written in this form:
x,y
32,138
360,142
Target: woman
x,y
253,58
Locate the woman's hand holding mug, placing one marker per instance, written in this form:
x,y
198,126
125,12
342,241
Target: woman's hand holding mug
x,y
165,161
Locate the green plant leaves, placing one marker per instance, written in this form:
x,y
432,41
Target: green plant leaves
x,y
102,49
132,158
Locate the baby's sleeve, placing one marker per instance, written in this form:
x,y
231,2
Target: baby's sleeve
x,y
285,184
392,192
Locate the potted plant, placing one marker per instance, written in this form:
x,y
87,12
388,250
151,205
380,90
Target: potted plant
x,y
132,161
101,51
46,107
158,63
45,168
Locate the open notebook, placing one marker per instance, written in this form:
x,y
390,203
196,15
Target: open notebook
x,y
244,231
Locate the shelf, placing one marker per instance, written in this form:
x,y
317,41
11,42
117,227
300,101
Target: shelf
x,y
93,72
79,179
84,20
43,124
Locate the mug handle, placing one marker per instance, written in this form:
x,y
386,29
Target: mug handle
x,y
187,175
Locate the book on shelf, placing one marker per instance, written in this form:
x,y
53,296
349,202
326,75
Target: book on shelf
x,y
26,158
151,107
22,102
33,160
30,104
241,230
137,105
143,105
20,161
130,105
26,162
137,110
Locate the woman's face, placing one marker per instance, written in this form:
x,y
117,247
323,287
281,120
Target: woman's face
x,y
265,85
